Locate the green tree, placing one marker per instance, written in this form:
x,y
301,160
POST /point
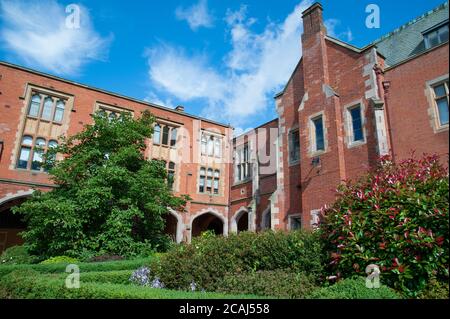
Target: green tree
x,y
108,198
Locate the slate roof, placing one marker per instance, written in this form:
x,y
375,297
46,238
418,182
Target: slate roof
x,y
407,40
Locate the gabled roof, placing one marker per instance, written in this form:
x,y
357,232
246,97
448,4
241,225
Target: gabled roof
x,y
407,41
400,44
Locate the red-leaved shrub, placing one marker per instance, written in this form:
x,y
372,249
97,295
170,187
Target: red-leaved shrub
x,y
395,217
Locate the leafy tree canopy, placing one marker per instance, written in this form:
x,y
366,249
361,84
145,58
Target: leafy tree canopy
x,y
108,199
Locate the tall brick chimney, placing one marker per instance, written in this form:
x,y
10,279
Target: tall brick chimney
x,y
315,61
313,20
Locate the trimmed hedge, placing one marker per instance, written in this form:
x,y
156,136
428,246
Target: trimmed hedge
x,y
209,258
354,288
275,283
84,267
121,277
32,285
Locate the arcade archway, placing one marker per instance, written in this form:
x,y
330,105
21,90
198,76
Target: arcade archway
x,y
207,222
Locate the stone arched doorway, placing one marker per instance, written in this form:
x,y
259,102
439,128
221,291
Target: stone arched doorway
x,y
242,224
208,222
240,221
173,226
266,220
11,224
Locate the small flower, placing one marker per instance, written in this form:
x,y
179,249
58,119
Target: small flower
x,y
141,276
157,283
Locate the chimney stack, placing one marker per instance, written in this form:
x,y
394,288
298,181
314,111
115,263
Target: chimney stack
x,y
313,20
179,108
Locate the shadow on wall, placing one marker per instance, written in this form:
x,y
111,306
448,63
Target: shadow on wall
x,y
10,225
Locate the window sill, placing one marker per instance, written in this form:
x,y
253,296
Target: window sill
x,y
356,144
30,171
317,153
210,195
292,163
442,128
165,146
211,156
244,181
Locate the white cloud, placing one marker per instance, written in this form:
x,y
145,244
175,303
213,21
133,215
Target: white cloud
x,y
184,77
332,26
152,97
36,32
196,16
257,66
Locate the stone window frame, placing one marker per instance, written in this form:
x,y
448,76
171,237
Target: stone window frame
x,y
291,217
213,179
249,176
169,171
176,148
312,134
290,132
349,124
214,136
433,111
170,138
30,90
438,30
108,108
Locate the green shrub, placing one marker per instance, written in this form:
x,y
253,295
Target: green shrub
x,y
59,260
435,290
274,283
395,217
209,258
106,277
353,289
32,285
84,267
16,255
101,258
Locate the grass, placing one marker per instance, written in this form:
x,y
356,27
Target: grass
x,y
101,280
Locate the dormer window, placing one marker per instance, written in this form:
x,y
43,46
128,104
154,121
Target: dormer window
x,y
436,36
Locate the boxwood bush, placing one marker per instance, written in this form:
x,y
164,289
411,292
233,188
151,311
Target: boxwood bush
x,y
395,217
209,258
33,285
274,283
59,260
84,267
354,288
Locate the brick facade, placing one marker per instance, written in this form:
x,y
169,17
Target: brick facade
x,y
276,185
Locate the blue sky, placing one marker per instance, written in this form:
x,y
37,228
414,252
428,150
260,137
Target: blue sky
x,y
220,59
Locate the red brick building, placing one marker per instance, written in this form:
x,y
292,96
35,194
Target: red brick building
x,y
341,109
36,108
